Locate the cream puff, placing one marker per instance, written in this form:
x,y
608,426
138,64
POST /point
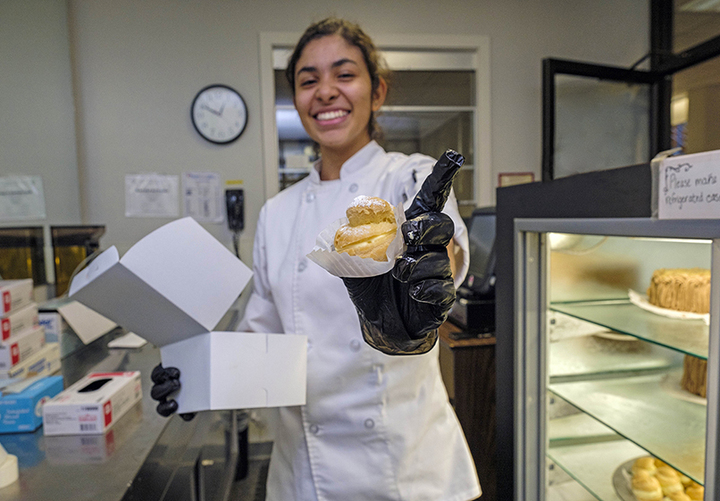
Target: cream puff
x,y
695,492
370,229
646,463
669,480
646,487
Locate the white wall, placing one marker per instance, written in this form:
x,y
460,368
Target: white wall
x,y
138,63
37,131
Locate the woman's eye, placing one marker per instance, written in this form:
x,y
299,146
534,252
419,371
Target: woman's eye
x,y
346,75
307,82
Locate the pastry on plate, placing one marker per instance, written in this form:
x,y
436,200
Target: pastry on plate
x,y
370,229
645,487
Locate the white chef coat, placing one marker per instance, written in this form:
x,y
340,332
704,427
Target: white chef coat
x,y
375,427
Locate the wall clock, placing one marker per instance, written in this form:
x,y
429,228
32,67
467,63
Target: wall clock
x,y
219,114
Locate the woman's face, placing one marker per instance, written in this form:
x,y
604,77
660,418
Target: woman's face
x,y
333,94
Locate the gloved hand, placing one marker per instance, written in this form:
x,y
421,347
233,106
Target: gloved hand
x,y
401,310
167,381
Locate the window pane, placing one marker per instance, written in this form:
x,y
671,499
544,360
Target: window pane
x,y
431,133
432,88
599,125
696,21
696,104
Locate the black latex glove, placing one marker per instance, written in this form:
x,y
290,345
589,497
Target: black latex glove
x,y
401,310
167,381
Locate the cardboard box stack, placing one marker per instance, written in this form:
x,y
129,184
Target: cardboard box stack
x,y
26,359
23,348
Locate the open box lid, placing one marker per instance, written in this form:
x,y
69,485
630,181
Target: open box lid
x,y
176,282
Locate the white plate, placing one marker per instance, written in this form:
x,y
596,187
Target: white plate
x,y
622,479
641,301
670,384
614,336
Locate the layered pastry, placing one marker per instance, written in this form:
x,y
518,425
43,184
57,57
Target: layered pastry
x,y
695,492
694,377
669,480
678,496
645,487
681,289
684,289
646,464
370,229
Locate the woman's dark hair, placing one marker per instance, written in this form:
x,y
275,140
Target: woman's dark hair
x,y
354,35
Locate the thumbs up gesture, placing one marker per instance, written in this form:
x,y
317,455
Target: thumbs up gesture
x,y
401,310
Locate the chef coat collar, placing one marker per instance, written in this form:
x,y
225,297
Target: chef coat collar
x,y
352,164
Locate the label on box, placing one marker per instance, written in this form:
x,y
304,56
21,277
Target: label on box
x,y
43,363
15,294
20,347
18,321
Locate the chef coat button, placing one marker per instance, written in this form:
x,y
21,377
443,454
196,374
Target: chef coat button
x,y
302,265
369,423
314,429
355,345
353,188
310,197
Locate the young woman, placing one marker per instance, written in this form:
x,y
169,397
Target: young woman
x,y
375,427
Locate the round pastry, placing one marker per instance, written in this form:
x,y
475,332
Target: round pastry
x,y
370,229
685,480
678,496
669,480
646,463
695,492
646,487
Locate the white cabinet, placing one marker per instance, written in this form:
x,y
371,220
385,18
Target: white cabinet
x,y
597,376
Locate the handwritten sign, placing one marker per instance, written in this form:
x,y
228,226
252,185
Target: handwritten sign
x,y
689,187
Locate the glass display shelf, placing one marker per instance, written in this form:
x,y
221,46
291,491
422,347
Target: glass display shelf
x,y
577,429
647,410
687,336
605,355
593,465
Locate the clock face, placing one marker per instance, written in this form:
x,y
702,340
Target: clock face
x,y
219,114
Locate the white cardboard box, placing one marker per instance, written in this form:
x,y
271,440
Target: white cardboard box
x,y
20,347
93,404
43,363
17,321
15,294
174,286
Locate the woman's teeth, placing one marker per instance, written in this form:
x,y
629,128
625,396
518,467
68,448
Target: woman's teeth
x,y
329,115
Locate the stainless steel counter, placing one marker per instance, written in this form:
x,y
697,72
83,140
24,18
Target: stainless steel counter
x,y
124,463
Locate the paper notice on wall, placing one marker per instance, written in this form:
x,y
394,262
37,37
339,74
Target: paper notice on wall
x,y
151,195
689,186
202,197
21,197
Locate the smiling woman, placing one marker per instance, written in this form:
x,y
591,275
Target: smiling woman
x,y
363,433
336,96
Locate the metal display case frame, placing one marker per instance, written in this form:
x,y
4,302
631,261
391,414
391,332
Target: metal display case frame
x,y
532,255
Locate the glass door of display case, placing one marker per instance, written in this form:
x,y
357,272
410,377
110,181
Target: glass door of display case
x,y
598,370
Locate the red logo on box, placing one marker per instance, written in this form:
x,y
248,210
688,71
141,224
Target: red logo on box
x,y
5,328
6,301
14,354
107,411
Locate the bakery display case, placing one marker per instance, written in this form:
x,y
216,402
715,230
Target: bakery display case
x,y
602,376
